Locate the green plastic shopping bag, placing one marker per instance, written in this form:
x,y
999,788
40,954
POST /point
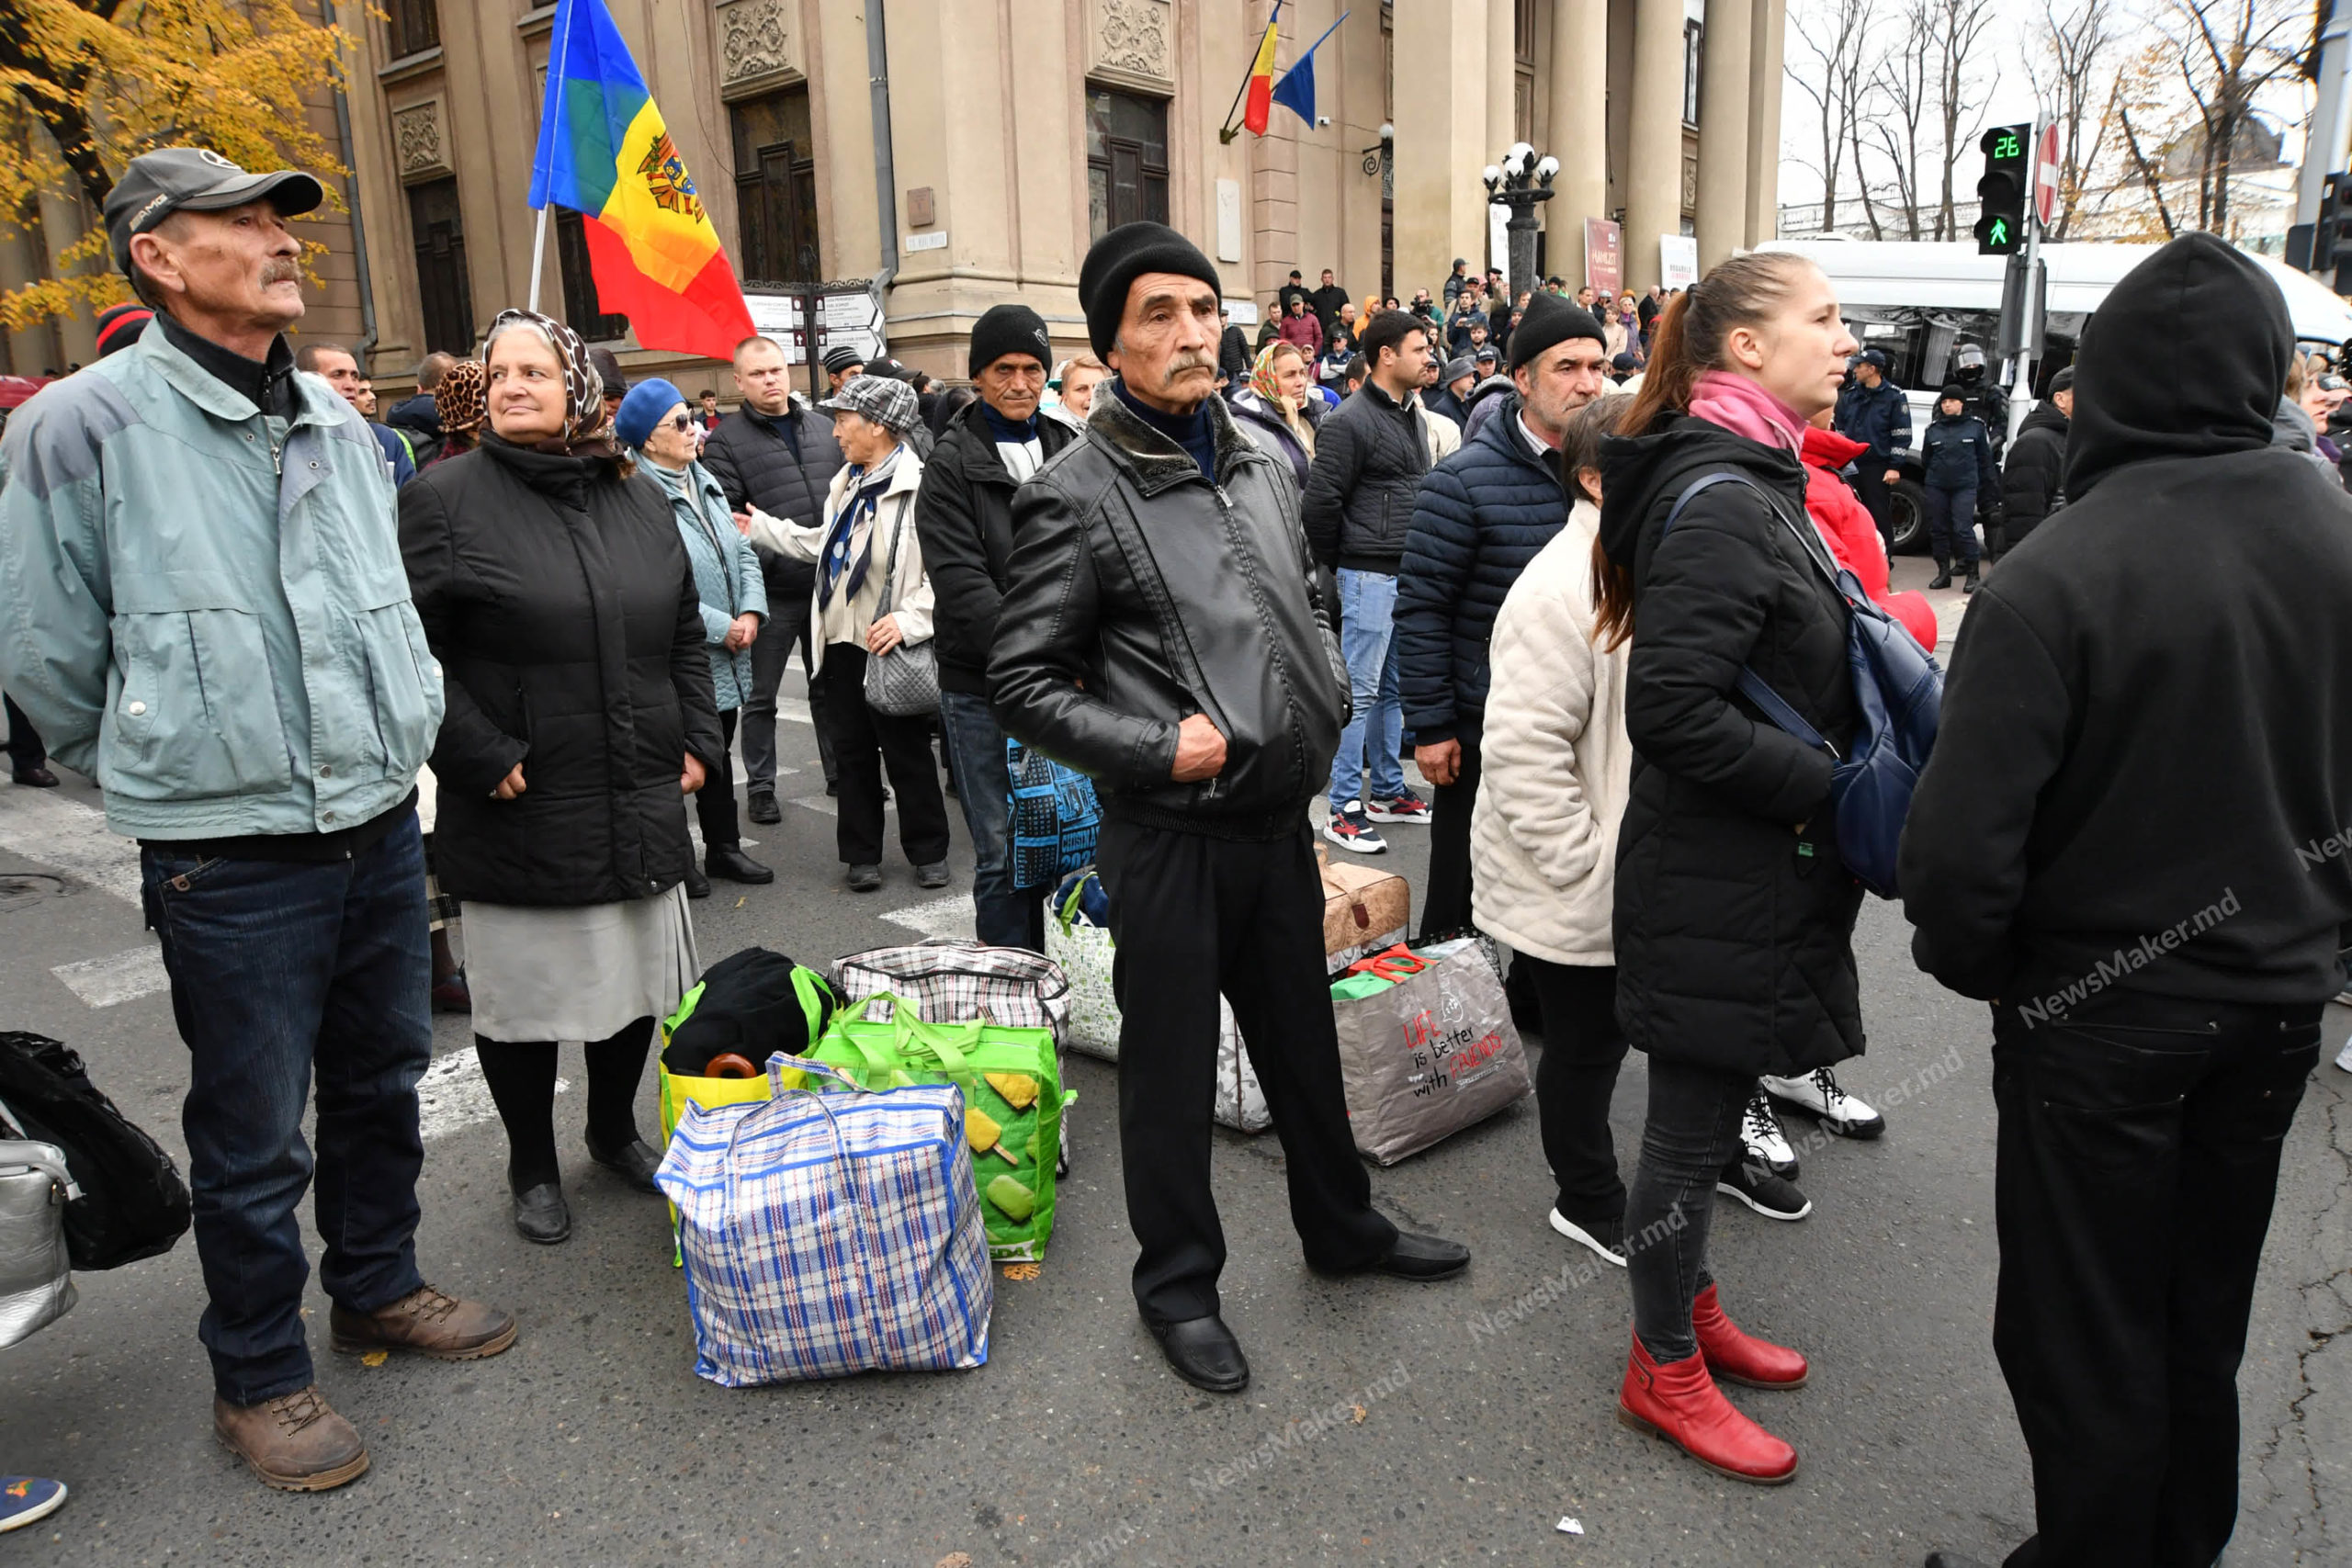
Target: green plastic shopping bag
x,y
1013,1104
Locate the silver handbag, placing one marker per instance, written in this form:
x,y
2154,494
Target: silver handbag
x,y
36,1278
903,682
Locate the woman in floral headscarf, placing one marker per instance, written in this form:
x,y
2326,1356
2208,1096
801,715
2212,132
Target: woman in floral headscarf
x,y
1279,408
559,604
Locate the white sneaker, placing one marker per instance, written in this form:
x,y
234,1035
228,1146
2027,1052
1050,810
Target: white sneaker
x,y
1817,1094
1761,1131
2343,1057
1607,1241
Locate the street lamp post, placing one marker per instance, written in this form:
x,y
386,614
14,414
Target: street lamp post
x,y
1519,182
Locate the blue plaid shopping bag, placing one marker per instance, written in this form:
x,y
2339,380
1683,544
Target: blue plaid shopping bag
x,y
827,1234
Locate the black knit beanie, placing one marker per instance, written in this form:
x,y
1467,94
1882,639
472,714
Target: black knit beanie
x,y
1009,329
1117,259
1550,320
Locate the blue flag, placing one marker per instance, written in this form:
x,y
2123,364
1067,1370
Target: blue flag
x,y
1296,91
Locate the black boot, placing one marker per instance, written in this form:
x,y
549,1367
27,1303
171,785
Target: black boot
x,y
1943,573
1974,581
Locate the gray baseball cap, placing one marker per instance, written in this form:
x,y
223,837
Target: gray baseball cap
x,y
886,400
195,179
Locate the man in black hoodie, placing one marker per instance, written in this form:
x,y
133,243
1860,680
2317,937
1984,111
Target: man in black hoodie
x,y
2031,485
2131,839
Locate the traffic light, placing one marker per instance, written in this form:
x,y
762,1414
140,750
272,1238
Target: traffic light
x,y
2001,192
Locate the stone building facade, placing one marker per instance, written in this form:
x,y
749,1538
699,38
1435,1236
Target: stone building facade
x,y
967,151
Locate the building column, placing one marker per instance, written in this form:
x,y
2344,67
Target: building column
x,y
1579,85
1654,151
1767,52
1722,131
1502,82
1441,207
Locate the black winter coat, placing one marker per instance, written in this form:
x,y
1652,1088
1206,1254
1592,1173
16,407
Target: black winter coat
x,y
2033,480
1138,594
1481,516
783,466
559,601
963,517
1370,454
1734,926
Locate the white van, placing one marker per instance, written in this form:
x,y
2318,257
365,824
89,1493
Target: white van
x,y
1921,303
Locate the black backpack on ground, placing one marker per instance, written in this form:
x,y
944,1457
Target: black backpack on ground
x,y
754,1004
134,1203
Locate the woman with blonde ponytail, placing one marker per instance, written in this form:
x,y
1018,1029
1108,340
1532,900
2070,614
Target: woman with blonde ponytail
x,y
1733,915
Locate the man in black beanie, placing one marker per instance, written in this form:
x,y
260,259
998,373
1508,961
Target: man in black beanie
x,y
963,517
1480,516
1195,679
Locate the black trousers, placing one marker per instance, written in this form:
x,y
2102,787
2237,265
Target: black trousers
x,y
25,752
2138,1157
1445,908
1870,483
715,802
1576,1077
1692,1133
1194,916
865,742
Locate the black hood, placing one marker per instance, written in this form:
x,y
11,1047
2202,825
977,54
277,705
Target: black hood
x,y
2185,359
1637,471
418,413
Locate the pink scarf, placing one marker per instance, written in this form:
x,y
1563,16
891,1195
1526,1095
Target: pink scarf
x,y
1742,407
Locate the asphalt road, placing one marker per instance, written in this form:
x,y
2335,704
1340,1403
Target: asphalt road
x,y
1471,1416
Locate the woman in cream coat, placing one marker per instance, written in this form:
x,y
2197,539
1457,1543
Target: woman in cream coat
x,y
866,549
1543,837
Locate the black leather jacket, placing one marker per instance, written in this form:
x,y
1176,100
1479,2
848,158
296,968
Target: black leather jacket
x,y
1137,594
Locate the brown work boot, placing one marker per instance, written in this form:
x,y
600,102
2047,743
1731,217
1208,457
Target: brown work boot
x,y
427,1322
294,1442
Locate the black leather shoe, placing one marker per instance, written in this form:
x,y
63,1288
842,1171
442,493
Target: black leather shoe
x,y
931,876
865,878
1203,1352
764,808
1952,1560
37,778
697,885
635,1161
730,863
1424,1258
540,1215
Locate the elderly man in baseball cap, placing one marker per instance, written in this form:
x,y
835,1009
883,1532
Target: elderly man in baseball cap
x,y
212,620
872,599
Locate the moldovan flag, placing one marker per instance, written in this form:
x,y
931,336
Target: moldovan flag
x,y
605,152
1259,107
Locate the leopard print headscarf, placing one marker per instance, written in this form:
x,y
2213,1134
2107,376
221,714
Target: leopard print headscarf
x,y
461,400
586,431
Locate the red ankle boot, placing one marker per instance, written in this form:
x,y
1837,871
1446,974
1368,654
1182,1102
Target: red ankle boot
x,y
1738,1356
1681,1404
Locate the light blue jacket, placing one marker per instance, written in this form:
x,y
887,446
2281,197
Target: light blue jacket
x,y
204,606
728,577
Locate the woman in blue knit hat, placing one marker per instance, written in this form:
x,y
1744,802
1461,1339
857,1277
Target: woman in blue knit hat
x,y
655,421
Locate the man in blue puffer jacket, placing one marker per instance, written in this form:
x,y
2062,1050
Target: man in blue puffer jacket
x,y
1481,515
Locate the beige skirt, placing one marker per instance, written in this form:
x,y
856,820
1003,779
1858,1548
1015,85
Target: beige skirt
x,y
577,974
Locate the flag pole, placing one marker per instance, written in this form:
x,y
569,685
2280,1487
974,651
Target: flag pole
x,y
557,59
1226,133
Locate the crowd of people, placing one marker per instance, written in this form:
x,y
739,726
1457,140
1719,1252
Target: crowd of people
x,y
1544,547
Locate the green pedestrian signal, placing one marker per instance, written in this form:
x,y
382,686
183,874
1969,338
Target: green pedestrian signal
x,y
2001,192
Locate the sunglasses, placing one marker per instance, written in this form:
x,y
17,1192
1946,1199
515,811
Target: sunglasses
x,y
681,423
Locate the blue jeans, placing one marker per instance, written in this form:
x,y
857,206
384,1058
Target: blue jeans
x,y
1002,915
1368,643
277,971
1951,522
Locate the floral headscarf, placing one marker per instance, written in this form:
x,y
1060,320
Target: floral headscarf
x,y
1262,374
586,431
462,399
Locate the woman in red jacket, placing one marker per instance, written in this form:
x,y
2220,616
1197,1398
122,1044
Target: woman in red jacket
x,y
1853,536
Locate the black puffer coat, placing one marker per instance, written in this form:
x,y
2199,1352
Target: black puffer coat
x,y
1734,928
783,466
2032,482
1370,454
560,602
963,517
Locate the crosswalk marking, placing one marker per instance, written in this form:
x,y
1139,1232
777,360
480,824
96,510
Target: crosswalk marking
x,y
116,979
951,915
67,836
453,1095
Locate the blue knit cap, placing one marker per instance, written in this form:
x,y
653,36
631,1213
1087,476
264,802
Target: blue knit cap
x,y
643,410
